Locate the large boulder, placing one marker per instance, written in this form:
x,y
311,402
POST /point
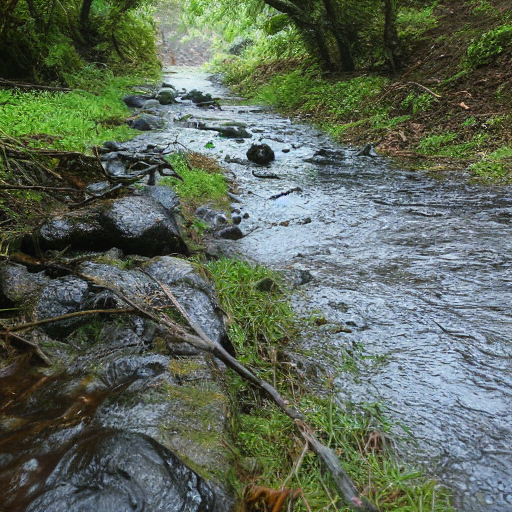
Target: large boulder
x,y
122,472
135,224
194,293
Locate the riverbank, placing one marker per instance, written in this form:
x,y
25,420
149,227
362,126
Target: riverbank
x,y
447,109
126,384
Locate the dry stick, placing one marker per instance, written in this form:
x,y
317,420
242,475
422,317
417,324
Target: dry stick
x,y
38,187
29,325
32,344
9,83
426,89
343,482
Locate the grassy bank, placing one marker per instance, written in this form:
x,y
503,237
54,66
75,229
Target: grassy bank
x,y
268,453
448,108
267,450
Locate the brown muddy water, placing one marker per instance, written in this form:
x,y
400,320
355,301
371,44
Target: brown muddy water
x,y
419,269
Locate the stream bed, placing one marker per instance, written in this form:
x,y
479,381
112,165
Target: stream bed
x,y
417,270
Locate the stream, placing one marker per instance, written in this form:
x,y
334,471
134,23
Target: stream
x,y
417,268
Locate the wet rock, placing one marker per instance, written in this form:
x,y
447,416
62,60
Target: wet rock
x,y
212,217
266,285
197,96
146,122
121,472
59,297
232,232
232,132
167,95
152,104
261,154
18,285
367,150
236,219
164,195
134,224
112,145
135,101
194,293
326,157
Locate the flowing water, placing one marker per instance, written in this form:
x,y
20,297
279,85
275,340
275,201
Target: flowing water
x,y
419,269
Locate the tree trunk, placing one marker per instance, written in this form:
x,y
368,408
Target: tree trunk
x,y
391,43
85,11
5,13
346,60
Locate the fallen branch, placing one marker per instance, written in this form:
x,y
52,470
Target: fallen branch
x,y
35,87
277,196
344,484
39,187
32,344
430,91
9,329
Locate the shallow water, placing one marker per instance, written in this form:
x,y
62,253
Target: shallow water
x,y
418,268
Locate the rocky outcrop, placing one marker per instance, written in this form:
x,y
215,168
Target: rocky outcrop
x,y
134,224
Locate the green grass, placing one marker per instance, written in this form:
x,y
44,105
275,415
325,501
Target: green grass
x,y
496,167
266,443
199,186
73,121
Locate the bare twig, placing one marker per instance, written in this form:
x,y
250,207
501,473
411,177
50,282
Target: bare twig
x,y
23,327
344,484
32,344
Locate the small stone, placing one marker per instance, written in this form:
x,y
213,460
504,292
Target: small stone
x,y
285,150
266,285
245,215
261,154
232,232
320,321
236,219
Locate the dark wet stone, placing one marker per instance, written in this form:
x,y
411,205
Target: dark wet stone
x,y
197,96
17,285
167,95
164,195
146,122
110,471
98,188
134,224
232,232
232,132
152,105
59,297
135,101
212,217
236,219
194,293
326,157
367,150
266,285
261,154
113,145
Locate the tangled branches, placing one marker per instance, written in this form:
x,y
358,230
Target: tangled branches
x,y
34,181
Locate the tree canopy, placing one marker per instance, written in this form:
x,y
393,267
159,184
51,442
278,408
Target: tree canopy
x,y
49,39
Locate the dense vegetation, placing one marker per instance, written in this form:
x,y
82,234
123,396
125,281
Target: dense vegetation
x,y
52,40
437,91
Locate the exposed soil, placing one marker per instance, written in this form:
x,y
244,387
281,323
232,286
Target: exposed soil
x,y
481,94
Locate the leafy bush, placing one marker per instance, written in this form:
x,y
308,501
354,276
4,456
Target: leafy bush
x,y
487,47
73,121
418,103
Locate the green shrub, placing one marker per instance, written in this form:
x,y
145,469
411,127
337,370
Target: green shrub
x,y
487,47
